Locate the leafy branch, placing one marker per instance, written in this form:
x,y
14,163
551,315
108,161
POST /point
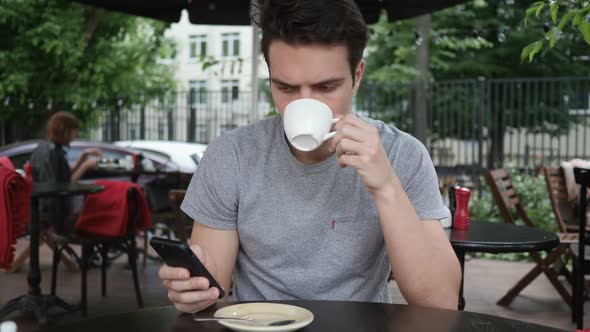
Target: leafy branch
x,y
576,16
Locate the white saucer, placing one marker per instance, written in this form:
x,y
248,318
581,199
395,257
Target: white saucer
x,y
267,313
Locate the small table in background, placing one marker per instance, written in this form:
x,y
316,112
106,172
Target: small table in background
x,y
495,238
34,301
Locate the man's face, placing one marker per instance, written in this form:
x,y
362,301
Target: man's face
x,y
312,71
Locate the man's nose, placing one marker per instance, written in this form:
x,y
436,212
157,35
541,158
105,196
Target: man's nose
x,y
305,93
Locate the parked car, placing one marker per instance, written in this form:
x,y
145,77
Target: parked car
x,y
156,175
185,155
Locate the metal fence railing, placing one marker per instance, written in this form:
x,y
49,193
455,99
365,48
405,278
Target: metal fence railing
x,y
471,124
479,124
182,116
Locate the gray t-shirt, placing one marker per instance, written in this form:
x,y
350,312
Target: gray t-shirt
x,y
306,231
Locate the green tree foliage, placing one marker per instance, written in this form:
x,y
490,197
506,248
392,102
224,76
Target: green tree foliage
x,y
390,60
564,16
500,23
392,46
478,38
60,55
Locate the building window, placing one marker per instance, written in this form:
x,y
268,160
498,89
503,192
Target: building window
x,y
161,130
202,133
198,46
230,45
230,90
133,132
197,93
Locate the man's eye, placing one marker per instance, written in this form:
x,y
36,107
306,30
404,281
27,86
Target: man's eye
x,y
327,88
285,88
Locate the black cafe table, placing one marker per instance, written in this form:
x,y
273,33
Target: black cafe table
x,y
328,316
34,301
495,238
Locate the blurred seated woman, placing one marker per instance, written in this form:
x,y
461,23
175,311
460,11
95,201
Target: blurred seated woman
x,y
50,164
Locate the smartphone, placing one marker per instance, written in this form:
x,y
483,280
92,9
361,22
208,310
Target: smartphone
x,y
179,254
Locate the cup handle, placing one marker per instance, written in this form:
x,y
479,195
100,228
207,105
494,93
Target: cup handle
x,y
329,135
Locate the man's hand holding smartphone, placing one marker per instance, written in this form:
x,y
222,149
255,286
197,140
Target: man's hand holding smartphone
x,y
189,294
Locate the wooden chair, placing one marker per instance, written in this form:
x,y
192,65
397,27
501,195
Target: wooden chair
x,y
565,212
568,221
552,266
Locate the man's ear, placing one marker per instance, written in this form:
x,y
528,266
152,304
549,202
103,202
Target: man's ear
x,y
358,76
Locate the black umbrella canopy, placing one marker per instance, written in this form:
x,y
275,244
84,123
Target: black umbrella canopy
x,y
401,9
168,11
237,12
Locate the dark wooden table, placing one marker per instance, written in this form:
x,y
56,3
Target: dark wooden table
x,y
329,316
34,301
495,238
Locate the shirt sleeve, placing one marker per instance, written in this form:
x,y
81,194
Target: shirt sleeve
x,y
417,175
212,195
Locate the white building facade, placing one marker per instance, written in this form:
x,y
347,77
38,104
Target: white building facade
x,y
215,75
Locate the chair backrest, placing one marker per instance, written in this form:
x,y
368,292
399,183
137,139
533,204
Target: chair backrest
x,y
99,218
505,196
175,197
6,162
15,198
562,209
132,212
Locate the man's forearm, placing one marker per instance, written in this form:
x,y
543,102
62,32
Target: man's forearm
x,y
424,264
220,248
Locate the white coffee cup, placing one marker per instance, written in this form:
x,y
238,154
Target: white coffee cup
x,y
307,123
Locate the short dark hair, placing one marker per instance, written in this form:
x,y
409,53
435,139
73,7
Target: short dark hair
x,y
329,22
60,126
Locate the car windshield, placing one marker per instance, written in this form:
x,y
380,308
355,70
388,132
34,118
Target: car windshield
x,y
74,152
157,153
195,157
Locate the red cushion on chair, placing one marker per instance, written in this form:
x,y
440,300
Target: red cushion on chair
x,y
6,162
15,198
106,213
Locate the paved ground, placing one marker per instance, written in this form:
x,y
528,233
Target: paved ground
x,y
486,281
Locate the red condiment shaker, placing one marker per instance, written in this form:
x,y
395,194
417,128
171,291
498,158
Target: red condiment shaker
x,y
452,201
461,218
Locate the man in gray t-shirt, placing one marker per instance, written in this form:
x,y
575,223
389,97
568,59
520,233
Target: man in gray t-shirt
x,y
306,231
327,224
